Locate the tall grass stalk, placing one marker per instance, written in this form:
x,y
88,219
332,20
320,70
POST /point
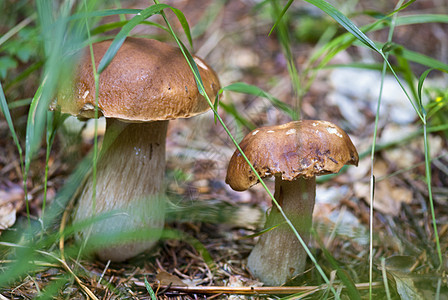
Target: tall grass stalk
x,y
197,76
428,164
372,156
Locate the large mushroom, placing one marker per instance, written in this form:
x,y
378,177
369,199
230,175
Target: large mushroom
x,y
295,153
146,84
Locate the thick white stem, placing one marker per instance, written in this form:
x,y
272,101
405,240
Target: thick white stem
x,y
278,256
129,183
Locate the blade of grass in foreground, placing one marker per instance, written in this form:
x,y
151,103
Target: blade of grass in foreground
x,y
201,88
124,32
241,87
428,165
6,113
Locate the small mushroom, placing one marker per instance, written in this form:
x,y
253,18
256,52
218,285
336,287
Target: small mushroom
x,y
294,153
146,84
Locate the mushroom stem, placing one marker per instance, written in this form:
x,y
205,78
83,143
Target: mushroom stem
x,y
130,173
278,256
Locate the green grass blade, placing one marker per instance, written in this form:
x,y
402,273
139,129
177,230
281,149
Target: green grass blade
x,y
352,291
232,110
32,141
342,42
54,121
183,21
344,22
34,128
6,113
114,25
241,87
421,19
121,36
150,290
420,88
280,16
102,13
428,166
420,58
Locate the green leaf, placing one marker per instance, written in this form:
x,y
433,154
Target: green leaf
x,y
121,36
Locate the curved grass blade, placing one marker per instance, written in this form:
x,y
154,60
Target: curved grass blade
x,y
421,19
280,16
244,88
419,58
344,22
6,113
232,110
428,165
150,290
183,21
140,17
54,121
103,13
121,36
114,25
263,231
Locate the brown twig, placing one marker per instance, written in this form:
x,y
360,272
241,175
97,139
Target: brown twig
x,y
253,290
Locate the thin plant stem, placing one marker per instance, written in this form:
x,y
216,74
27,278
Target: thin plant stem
x,y
47,160
384,274
372,157
17,28
428,182
218,117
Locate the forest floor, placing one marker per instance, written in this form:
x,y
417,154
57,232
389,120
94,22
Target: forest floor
x,y
234,40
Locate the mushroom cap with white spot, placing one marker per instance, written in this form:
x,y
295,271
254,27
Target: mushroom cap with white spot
x,y
301,148
147,80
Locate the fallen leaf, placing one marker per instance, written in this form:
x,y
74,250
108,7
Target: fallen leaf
x,y
165,278
388,196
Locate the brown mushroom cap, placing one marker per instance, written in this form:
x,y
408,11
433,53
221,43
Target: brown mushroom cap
x,y
300,148
147,80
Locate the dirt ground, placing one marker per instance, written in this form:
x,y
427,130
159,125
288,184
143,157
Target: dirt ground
x,y
232,36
